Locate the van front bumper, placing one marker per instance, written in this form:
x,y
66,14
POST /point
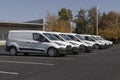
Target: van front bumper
x,y
75,49
64,51
102,46
89,48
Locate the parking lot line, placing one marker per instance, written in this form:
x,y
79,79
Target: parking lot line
x,y
83,55
4,72
80,55
32,63
88,53
50,58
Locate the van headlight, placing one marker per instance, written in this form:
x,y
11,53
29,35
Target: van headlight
x,y
60,44
87,43
74,43
101,42
68,47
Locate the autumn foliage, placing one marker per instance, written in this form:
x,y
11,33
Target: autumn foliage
x,y
85,20
54,23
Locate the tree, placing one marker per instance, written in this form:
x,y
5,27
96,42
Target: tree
x,y
62,26
111,33
65,14
109,19
86,21
104,22
81,21
53,23
92,13
110,26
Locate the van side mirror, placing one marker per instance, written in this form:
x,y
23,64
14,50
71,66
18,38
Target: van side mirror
x,y
43,40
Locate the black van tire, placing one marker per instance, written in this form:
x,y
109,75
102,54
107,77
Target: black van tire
x,y
97,46
13,51
52,52
82,49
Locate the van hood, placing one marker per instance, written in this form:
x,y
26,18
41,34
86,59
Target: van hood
x,y
61,43
89,42
76,42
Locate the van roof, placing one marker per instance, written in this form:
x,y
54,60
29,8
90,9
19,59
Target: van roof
x,y
84,34
27,31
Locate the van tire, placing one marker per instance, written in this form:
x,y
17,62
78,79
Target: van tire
x,y
82,48
52,52
97,46
13,51
88,51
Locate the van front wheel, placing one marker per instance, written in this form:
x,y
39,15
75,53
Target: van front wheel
x,y
52,52
97,46
13,51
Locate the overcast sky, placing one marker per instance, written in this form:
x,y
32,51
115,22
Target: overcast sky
x,y
26,10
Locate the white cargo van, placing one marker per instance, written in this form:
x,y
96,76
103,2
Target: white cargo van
x,y
108,43
79,45
32,41
89,46
98,44
75,47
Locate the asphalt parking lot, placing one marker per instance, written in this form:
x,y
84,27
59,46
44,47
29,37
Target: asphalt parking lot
x,y
99,65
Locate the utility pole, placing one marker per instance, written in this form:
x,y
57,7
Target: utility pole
x,y
97,9
71,27
43,25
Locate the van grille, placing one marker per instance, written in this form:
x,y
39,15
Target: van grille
x,y
68,47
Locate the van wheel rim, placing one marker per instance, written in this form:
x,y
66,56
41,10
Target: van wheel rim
x,y
52,52
82,49
96,46
12,51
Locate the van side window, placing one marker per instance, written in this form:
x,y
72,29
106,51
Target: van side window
x,y
39,37
88,38
73,38
36,36
58,37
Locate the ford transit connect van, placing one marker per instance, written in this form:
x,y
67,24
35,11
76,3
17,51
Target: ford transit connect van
x,y
75,47
32,41
98,44
89,46
68,39
99,38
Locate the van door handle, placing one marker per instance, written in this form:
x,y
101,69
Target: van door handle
x,y
28,42
34,42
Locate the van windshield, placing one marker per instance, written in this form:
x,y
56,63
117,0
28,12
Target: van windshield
x,y
50,36
89,38
95,38
58,37
73,38
65,37
80,37
100,38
